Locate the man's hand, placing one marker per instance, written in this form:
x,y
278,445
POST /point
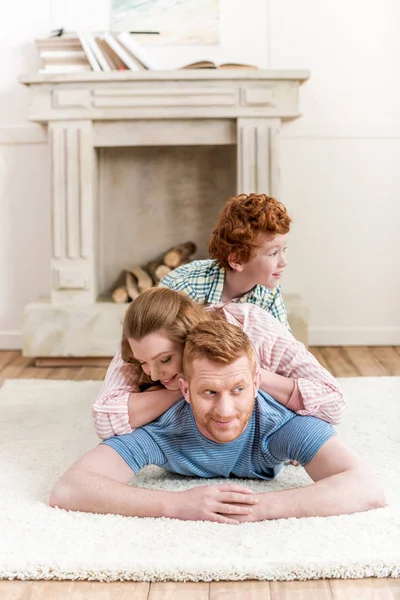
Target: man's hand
x,y
221,503
259,510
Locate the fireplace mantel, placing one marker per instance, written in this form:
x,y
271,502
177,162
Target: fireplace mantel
x,y
87,111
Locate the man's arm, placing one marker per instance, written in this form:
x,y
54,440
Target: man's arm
x,y
98,483
343,484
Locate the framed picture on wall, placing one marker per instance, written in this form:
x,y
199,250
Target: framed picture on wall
x,y
176,22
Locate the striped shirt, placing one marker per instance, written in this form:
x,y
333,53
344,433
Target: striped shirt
x,y
273,435
203,281
316,392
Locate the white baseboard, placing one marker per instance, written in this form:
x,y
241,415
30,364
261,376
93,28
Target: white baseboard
x,y
357,336
10,340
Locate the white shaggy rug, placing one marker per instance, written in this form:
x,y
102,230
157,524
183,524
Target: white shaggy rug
x,y
45,425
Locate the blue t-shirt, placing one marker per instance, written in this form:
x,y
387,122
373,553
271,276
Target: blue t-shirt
x,y
273,435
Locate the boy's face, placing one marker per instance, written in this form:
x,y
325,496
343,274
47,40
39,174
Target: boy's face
x,y
221,396
268,264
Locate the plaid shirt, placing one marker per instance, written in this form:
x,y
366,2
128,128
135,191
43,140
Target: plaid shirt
x,y
203,281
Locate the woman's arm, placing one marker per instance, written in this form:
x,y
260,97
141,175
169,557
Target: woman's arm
x,y
149,405
120,407
316,392
290,373
279,387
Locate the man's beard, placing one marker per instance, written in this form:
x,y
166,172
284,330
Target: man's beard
x,y
207,421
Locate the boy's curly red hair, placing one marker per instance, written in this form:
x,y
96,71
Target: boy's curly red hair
x,y
240,222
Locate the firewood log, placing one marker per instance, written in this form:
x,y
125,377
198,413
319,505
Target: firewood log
x,y
131,284
118,290
161,271
157,270
177,255
143,279
120,295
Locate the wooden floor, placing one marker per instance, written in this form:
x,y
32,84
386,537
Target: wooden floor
x,y
342,362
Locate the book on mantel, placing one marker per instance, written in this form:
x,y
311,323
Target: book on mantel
x,y
86,51
208,64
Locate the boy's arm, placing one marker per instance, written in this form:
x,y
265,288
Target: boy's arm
x,y
343,484
178,281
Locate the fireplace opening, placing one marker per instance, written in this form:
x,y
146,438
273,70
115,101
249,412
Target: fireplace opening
x,y
153,198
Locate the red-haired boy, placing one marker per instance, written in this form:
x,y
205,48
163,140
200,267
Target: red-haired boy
x,y
247,250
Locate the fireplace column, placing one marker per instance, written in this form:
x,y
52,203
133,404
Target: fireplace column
x,y
258,156
74,276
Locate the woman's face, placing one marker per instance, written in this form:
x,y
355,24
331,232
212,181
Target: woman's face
x,y
159,357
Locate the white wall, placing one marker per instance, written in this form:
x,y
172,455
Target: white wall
x,y
340,165
24,173
340,177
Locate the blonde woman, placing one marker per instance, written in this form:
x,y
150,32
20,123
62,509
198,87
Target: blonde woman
x,y
161,318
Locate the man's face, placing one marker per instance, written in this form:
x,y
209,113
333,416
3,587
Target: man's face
x,y
268,264
221,396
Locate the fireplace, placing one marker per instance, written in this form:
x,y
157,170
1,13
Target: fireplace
x,y
141,161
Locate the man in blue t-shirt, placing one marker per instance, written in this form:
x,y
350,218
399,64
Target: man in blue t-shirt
x,y
223,427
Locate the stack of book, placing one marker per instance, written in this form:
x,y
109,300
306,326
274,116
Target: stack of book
x,y
62,55
97,52
105,52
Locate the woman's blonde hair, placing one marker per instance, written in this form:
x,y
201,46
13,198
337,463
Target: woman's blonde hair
x,y
159,309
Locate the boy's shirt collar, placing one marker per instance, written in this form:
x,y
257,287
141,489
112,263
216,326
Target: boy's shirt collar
x,y
217,288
